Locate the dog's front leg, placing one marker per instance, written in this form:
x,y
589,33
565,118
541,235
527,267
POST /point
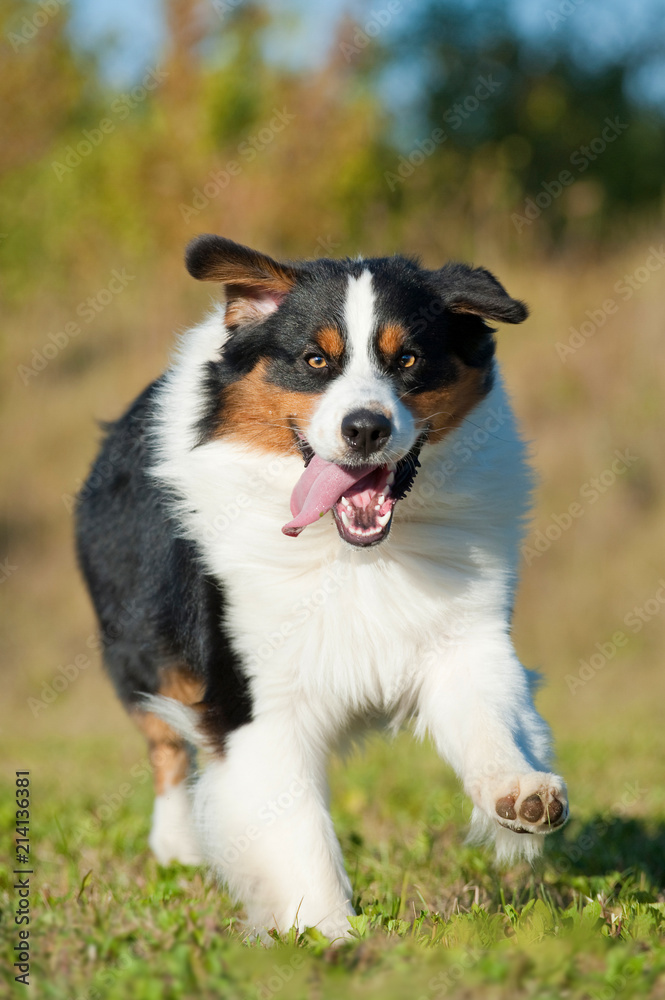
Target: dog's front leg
x,y
476,701
263,823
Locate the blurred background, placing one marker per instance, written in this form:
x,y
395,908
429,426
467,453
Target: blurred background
x,y
527,136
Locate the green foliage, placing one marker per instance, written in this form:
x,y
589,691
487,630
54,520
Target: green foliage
x,y
545,112
71,206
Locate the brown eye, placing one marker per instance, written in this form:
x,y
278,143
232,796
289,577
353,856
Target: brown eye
x,y
317,361
407,360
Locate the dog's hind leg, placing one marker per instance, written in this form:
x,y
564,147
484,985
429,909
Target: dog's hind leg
x,y
172,835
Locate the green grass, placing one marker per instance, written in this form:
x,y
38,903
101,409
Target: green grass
x,y
436,919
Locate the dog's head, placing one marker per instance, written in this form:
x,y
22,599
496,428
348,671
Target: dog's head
x,y
356,364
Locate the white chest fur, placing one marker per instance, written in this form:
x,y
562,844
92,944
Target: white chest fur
x,y
343,627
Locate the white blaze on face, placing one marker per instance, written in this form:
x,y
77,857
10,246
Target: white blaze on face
x,y
360,319
362,385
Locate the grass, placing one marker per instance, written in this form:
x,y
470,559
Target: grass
x,y
435,917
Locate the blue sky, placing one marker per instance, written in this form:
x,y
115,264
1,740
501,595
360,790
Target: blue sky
x,y
599,28
137,31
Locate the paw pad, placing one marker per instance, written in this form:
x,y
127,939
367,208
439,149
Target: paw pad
x,y
554,812
505,807
528,811
532,808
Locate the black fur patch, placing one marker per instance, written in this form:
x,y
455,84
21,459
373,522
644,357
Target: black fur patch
x,y
155,605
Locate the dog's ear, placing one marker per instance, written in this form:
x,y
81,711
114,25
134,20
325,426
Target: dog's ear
x,y
475,290
255,284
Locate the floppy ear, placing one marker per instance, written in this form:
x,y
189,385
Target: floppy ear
x,y
255,284
475,290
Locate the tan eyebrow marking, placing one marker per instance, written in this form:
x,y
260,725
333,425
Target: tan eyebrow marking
x,y
330,341
391,339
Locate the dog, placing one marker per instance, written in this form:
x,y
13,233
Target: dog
x,y
310,525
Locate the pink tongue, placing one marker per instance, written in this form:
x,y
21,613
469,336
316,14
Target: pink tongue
x,y
318,490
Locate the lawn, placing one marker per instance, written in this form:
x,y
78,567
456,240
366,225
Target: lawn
x,y
436,918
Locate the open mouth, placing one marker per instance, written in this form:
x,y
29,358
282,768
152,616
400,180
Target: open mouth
x,y
364,514
362,499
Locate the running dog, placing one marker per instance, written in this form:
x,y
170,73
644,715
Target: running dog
x,y
311,525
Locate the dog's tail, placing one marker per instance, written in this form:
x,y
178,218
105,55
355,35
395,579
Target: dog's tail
x,y
182,718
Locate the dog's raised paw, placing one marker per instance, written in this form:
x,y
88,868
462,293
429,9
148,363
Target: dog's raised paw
x,y
536,803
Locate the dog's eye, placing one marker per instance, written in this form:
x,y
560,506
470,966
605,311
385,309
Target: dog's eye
x,y
407,360
316,361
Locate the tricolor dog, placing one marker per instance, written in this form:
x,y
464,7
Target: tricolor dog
x,y
314,520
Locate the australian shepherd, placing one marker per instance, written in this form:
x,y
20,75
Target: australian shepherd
x,y
310,525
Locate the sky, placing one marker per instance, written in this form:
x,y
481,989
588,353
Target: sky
x,y
600,29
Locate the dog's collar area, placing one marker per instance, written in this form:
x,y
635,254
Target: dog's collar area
x,y
407,469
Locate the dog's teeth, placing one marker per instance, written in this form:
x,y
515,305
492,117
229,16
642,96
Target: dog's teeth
x,y
384,520
377,507
382,499
345,520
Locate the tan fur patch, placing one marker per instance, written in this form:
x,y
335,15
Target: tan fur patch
x,y
251,270
180,684
331,342
167,753
391,339
166,749
464,307
443,409
260,413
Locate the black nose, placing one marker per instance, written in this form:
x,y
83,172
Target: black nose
x,y
366,431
